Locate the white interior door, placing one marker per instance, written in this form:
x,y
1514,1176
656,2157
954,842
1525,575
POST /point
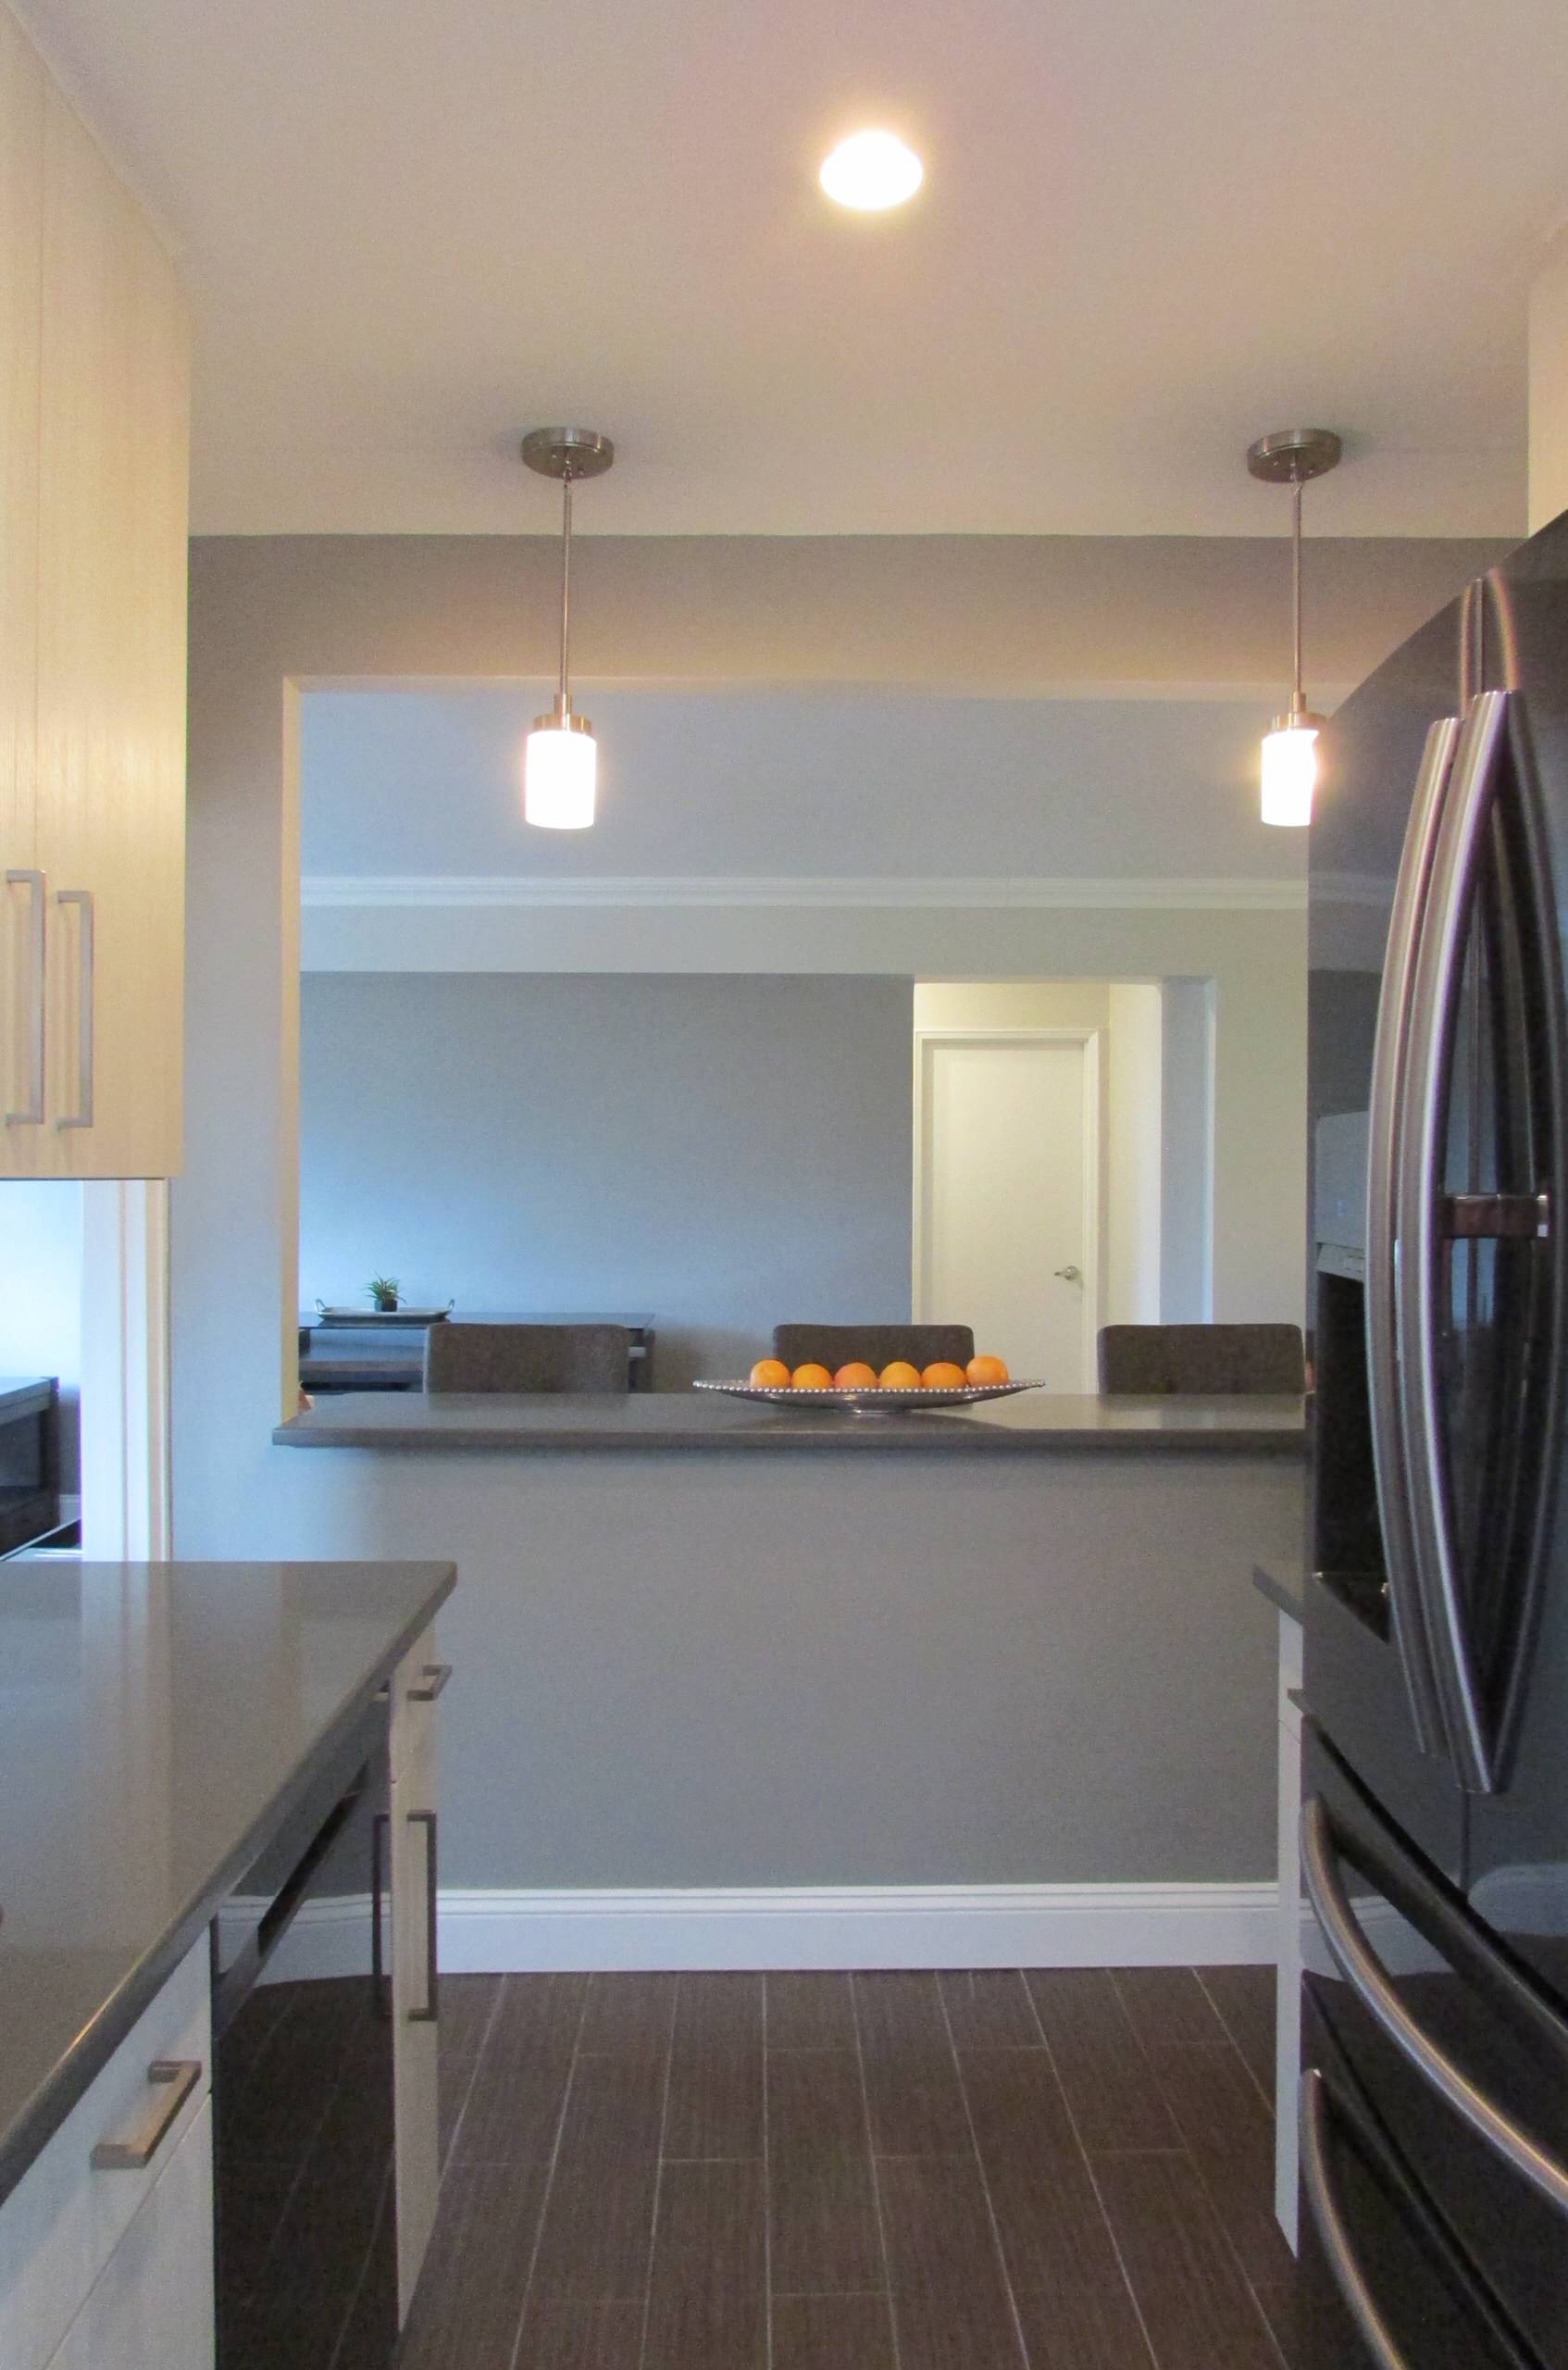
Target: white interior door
x,y
1007,1192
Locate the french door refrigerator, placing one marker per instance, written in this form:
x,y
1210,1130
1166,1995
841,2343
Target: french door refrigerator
x,y
1434,1828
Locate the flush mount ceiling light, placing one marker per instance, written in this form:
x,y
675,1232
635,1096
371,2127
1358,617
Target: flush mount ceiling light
x,y
870,171
561,757
1290,762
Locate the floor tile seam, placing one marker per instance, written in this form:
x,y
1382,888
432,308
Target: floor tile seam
x,y
1220,2213
1112,2155
1197,2159
1246,2063
894,2341
754,2156
1220,2039
830,2295
1099,2194
658,2181
549,2187
1001,2265
1266,2318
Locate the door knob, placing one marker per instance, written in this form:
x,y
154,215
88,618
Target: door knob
x,y
1070,1275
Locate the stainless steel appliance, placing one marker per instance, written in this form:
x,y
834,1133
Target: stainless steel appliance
x,y
306,2215
1434,1834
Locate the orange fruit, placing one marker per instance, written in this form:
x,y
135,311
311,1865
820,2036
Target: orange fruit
x,y
943,1375
811,1378
770,1374
988,1369
856,1376
899,1376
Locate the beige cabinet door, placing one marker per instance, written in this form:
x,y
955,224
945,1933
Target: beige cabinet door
x,y
152,2305
21,891
111,667
414,1972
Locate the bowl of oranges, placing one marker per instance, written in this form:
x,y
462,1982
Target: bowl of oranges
x,y
856,1389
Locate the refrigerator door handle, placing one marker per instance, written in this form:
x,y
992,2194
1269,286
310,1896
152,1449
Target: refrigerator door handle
x,y
1373,1986
1321,2103
1389,1078
1334,2231
1456,864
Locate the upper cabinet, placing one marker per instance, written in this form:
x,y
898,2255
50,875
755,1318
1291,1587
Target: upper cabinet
x,y
93,348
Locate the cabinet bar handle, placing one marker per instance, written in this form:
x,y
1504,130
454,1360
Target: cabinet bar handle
x,y
34,1114
428,2014
380,1828
435,1676
172,2080
83,1116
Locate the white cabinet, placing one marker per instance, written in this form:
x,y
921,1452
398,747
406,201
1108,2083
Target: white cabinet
x,y
94,409
417,1683
63,2223
150,2307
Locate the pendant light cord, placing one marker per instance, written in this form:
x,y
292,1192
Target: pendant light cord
x,y
1298,698
567,582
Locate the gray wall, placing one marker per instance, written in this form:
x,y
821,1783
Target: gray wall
x,y
724,1152
887,1668
996,612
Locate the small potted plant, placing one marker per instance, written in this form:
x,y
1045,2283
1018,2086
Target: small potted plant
x,y
383,1295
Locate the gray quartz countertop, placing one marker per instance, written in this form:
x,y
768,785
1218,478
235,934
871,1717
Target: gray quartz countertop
x,y
1032,1421
158,1722
1284,1586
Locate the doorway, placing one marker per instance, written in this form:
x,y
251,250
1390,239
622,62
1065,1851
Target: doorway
x,y
1007,1194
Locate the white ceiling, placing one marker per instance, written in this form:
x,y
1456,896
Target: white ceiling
x,y
1151,229
762,784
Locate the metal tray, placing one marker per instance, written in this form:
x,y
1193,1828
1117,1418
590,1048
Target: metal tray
x,y
338,1317
869,1403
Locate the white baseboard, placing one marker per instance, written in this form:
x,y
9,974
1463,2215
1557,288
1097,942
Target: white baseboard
x,y
484,1932
892,1926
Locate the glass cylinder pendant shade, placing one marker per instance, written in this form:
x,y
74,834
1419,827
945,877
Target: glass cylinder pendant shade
x,y
1289,772
560,772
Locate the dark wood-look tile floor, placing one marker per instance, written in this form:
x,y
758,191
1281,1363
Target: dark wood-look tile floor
x,y
1053,2170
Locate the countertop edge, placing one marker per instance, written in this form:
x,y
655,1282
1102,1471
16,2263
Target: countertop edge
x,y
1290,1602
863,1440
30,2131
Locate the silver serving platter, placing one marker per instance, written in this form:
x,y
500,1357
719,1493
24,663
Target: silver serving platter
x,y
869,1403
380,1318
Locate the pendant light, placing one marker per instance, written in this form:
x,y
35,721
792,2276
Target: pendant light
x,y
560,756
1290,757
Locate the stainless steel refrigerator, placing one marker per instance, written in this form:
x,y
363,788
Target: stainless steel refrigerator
x,y
1435,1832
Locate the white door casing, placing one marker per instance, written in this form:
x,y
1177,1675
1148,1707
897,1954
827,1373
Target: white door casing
x,y
1007,1126
125,1464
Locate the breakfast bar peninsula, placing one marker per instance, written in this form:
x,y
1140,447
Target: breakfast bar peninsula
x,y
747,1684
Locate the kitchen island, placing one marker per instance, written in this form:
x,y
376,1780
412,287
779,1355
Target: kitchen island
x,y
740,1686
163,1727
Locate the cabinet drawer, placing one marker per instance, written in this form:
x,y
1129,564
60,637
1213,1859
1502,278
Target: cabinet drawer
x,y
152,2307
66,2216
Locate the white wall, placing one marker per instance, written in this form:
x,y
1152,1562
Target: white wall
x,y
1187,1116
1136,1155
41,1296
1548,384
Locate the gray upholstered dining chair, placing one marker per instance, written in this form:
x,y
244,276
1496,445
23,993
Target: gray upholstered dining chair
x,y
1215,1360
526,1357
834,1345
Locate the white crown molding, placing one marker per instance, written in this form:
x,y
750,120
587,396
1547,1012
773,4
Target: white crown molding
x,y
505,1932
518,893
